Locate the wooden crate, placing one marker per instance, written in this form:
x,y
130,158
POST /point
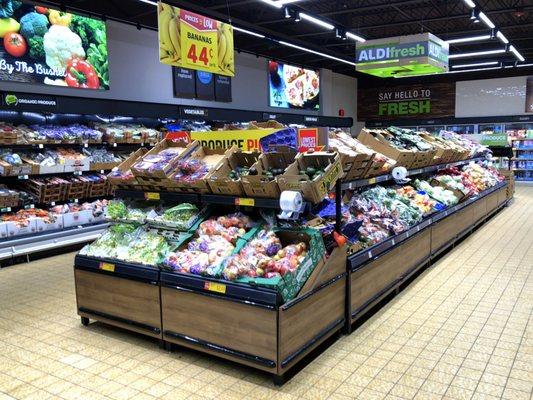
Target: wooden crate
x,y
128,303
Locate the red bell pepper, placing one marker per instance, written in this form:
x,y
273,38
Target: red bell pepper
x,y
81,74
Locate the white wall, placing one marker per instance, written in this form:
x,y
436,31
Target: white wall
x,y
491,97
136,74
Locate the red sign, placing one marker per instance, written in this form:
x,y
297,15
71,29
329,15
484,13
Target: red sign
x,y
308,139
180,136
197,21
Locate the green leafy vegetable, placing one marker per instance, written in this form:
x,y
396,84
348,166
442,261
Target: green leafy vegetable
x,y
37,48
94,41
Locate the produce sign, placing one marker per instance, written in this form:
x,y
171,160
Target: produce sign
x,y
293,87
193,41
495,140
256,139
403,56
42,45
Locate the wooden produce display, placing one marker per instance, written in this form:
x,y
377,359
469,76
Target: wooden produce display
x,y
251,326
381,269
119,294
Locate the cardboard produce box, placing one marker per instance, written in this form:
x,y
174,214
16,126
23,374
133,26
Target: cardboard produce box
x,y
141,168
312,189
220,181
376,141
444,153
195,157
262,184
290,284
114,176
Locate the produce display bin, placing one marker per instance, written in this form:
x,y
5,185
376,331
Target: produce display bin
x,y
250,325
120,294
371,281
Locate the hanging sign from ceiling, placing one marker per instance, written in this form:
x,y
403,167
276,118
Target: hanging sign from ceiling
x,y
403,56
190,40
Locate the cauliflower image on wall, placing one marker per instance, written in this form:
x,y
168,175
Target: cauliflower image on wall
x,y
61,45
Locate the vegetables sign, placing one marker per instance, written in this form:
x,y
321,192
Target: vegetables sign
x,y
51,47
190,40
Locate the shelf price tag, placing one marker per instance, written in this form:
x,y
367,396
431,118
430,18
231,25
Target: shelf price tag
x,y
23,176
215,287
41,146
371,181
240,201
152,195
107,267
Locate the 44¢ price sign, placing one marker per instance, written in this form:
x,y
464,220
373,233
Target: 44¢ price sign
x,y
190,40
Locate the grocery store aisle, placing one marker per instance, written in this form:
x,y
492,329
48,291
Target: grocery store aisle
x,y
461,330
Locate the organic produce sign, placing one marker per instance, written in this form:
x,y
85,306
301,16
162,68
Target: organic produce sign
x,y
293,87
403,56
51,47
190,40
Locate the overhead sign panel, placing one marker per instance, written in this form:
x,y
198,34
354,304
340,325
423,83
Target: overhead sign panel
x,y
400,56
191,40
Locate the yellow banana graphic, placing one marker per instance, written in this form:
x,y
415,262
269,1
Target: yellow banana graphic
x,y
164,35
228,60
173,28
221,48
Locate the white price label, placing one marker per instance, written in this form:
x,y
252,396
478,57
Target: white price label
x,y
369,254
77,172
393,242
102,171
114,145
85,145
41,146
53,203
75,200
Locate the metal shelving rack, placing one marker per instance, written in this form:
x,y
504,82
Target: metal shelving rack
x,y
522,174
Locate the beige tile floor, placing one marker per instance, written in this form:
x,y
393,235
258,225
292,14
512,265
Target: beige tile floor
x,y
462,330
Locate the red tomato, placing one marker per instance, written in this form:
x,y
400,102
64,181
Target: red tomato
x,y
15,44
41,10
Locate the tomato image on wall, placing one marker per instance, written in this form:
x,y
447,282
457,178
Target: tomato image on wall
x,y
46,46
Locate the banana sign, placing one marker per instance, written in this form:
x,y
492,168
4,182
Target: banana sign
x,y
190,40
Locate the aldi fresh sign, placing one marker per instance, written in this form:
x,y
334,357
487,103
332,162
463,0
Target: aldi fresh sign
x,y
402,56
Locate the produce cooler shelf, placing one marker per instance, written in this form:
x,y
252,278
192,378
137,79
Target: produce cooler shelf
x,y
37,242
376,250
388,177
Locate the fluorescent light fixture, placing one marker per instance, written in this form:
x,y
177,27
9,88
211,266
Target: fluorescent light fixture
x,y
472,70
316,52
476,53
154,3
486,20
249,32
353,36
468,39
316,21
470,3
278,3
479,64
502,37
516,53
525,65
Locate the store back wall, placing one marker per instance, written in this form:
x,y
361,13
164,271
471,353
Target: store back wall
x,y
136,74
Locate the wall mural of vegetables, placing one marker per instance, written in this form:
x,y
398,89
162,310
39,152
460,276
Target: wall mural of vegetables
x,y
42,45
